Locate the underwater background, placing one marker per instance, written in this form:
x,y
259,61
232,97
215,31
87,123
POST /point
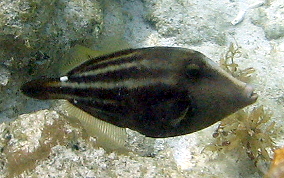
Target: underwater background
x,y
245,37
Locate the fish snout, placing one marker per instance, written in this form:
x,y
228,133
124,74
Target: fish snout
x,y
249,94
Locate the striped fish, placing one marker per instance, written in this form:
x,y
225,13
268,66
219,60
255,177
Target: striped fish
x,y
157,91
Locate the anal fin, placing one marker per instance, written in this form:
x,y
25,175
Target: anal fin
x,y
109,136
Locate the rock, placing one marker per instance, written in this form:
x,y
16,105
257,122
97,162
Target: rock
x,y
44,144
271,19
4,76
34,35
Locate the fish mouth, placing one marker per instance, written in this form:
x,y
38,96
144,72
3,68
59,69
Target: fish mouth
x,y
253,96
250,94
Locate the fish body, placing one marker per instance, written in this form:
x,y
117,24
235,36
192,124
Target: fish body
x,y
157,91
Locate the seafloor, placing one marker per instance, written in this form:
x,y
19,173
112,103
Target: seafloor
x,y
35,35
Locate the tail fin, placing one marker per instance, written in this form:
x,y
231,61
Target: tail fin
x,y
40,88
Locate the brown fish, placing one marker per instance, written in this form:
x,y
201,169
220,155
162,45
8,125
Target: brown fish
x,y
157,91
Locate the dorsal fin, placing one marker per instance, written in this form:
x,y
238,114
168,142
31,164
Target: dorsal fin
x,y
108,136
78,55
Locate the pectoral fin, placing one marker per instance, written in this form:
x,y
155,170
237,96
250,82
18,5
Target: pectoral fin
x,y
175,122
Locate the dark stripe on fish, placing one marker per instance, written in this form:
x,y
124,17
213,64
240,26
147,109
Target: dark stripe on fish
x,y
107,106
117,94
107,61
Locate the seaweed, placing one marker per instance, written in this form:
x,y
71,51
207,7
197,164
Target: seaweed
x,y
248,131
227,63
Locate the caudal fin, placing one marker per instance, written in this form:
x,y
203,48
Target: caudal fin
x,y
40,88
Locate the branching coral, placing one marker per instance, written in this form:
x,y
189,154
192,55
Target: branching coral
x,y
248,131
228,64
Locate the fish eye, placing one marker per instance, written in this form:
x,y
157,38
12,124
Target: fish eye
x,y
193,70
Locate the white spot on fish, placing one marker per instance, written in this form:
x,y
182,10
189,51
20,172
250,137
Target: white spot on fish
x,y
64,79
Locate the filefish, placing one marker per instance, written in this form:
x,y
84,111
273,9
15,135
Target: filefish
x,y
157,91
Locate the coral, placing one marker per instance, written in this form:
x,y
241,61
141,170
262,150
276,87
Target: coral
x,y
228,64
248,131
